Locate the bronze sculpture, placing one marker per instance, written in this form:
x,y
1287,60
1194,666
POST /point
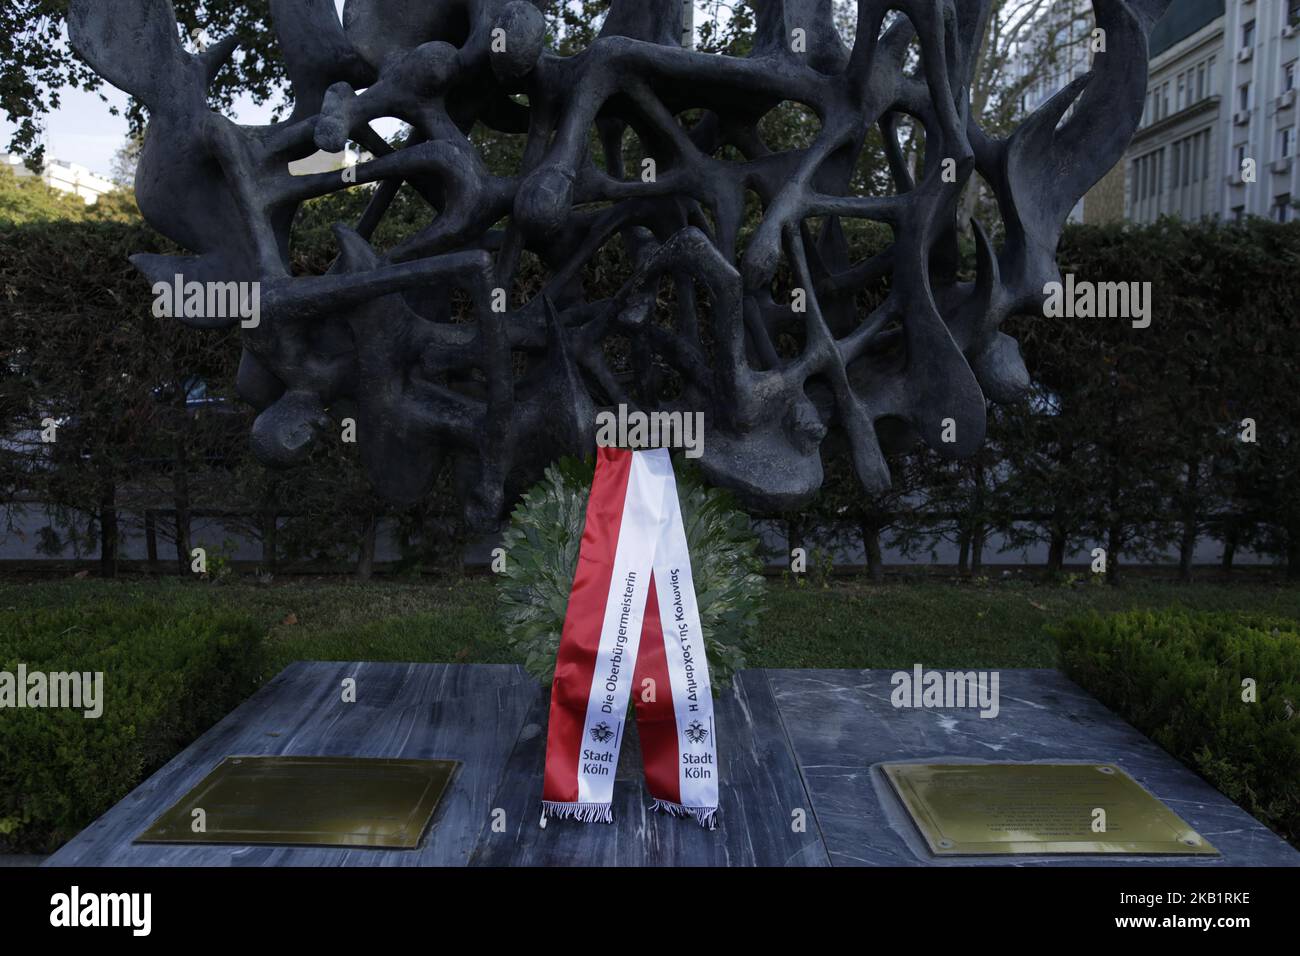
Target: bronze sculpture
x,y
513,388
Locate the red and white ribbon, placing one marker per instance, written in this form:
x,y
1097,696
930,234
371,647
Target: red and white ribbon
x,y
632,631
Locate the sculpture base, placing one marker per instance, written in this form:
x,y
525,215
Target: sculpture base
x,y
801,773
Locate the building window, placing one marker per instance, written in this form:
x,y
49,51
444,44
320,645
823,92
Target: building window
x,y
1288,76
1209,77
1293,12
1241,159
1282,207
1285,141
1180,99
1248,33
1200,82
1238,213
1243,97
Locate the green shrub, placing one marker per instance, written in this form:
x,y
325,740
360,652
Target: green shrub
x,y
167,678
1177,676
541,548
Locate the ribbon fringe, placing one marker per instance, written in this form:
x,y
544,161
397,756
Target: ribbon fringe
x,y
583,812
706,817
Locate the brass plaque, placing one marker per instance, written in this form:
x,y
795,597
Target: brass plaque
x,y
314,801
1005,808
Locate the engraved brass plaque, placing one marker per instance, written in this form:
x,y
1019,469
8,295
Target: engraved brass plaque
x,y
313,801
1007,808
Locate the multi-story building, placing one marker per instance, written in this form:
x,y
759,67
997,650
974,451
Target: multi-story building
x,y
65,177
1217,137
1176,160
1263,39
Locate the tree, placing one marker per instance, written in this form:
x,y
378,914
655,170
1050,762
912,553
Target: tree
x,y
1257,272
842,511
36,65
27,199
125,160
1029,45
965,501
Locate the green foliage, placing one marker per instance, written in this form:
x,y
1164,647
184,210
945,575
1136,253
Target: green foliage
x,y
220,562
314,245
27,199
541,557
1131,435
81,345
1177,676
168,676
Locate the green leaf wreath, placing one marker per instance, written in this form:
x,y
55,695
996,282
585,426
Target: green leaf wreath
x,y
541,557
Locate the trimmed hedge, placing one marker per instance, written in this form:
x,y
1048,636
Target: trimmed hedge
x,y
1158,410
1177,676
167,678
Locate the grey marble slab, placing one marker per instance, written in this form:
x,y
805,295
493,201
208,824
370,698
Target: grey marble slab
x,y
792,744
471,713
759,794
842,725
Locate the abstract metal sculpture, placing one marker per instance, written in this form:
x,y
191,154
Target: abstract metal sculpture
x,y
505,392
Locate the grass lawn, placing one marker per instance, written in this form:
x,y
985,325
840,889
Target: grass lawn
x,y
939,623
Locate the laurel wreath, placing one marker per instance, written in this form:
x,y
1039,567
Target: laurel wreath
x,y
541,556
